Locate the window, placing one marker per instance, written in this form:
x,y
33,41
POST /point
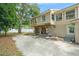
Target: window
x,y
70,14
35,20
59,16
52,17
43,17
71,28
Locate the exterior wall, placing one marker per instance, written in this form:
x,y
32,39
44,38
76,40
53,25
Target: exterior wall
x,y
77,32
61,30
51,30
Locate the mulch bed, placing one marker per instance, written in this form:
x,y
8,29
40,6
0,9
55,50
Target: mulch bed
x,y
8,47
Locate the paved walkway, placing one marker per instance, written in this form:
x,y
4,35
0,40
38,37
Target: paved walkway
x,y
33,46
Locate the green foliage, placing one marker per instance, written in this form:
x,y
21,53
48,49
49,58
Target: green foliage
x,y
34,10
16,15
24,12
7,16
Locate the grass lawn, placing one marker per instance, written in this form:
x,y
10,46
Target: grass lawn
x,y
8,47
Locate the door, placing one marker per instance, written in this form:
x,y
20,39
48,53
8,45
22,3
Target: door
x,y
70,33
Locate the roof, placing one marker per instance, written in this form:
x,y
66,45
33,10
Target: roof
x,y
58,10
69,7
49,10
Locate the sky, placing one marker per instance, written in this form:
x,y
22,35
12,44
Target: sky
x,y
45,6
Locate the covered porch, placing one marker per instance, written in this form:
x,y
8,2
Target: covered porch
x,y
44,30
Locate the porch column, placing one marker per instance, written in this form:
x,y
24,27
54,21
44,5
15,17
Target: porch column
x,y
35,30
39,30
64,16
76,13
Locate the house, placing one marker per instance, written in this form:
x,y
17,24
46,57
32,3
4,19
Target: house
x,y
60,23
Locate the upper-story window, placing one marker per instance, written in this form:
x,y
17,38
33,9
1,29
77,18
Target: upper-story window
x,y
58,16
35,20
70,14
52,16
43,17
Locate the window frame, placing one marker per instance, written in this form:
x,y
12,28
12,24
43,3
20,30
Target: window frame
x,y
70,14
59,17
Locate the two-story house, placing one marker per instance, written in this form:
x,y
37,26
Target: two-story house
x,y
58,22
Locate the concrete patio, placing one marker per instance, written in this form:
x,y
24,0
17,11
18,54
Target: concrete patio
x,y
34,46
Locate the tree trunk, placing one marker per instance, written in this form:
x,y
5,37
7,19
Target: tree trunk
x,y
5,33
0,33
19,29
20,26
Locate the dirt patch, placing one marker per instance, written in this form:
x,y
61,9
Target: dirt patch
x,y
8,47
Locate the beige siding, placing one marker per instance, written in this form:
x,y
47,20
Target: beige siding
x,y
61,30
77,32
51,30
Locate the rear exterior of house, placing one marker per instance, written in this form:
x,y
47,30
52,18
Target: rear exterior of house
x,y
60,23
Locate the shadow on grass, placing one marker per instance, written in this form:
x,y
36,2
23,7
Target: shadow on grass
x,y
8,34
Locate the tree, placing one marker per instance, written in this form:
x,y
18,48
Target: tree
x,y
7,16
25,12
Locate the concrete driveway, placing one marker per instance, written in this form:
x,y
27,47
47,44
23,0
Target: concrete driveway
x,y
36,46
